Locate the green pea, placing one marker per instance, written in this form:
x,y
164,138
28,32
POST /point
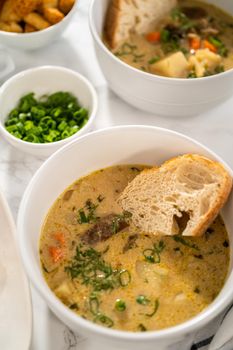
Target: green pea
x,y
120,305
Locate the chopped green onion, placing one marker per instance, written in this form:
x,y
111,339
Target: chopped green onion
x,y
165,35
94,305
105,320
154,60
181,240
153,255
48,119
124,278
156,306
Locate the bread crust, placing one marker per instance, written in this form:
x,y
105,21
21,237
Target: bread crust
x,y
223,196
221,188
112,22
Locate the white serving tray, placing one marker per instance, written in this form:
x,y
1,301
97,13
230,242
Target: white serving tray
x,y
15,299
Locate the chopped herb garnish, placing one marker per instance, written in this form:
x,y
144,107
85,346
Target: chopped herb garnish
x,y
87,214
120,305
74,306
105,250
165,35
184,22
181,240
116,222
219,69
103,319
192,75
178,15
142,328
94,304
221,47
90,268
156,306
197,290
100,198
142,300
131,243
198,256
137,58
225,244
124,278
153,255
128,49
154,60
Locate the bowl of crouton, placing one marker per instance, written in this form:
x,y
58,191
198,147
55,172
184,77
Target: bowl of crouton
x,y
31,24
168,57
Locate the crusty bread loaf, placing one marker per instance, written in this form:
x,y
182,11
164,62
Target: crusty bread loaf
x,y
182,196
140,16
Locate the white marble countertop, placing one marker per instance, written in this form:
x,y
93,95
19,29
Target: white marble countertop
x,y
75,50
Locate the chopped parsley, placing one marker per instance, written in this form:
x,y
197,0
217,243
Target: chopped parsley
x,y
87,213
90,268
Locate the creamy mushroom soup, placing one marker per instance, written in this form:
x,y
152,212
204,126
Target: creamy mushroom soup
x,y
107,271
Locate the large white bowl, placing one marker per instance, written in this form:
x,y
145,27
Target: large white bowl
x,y
36,40
152,93
118,145
44,81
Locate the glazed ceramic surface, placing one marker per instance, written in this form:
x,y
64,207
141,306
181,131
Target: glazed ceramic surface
x,y
120,145
155,94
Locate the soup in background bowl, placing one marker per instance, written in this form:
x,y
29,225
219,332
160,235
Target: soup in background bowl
x,y
194,40
77,160
153,93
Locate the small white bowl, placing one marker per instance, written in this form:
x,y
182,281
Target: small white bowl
x,y
36,40
44,81
118,145
152,93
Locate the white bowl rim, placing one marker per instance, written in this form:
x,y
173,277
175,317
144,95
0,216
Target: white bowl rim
x,y
148,76
46,30
49,145
200,320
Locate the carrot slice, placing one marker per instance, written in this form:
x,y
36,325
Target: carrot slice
x,y
195,43
56,253
210,46
153,37
59,236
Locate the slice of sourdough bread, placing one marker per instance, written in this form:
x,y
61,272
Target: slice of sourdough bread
x,y
182,196
139,16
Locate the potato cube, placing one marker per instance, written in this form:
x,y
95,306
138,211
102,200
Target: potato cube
x,y
204,60
174,66
63,291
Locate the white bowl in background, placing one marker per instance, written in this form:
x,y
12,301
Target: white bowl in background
x,y
36,40
46,80
117,145
152,93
